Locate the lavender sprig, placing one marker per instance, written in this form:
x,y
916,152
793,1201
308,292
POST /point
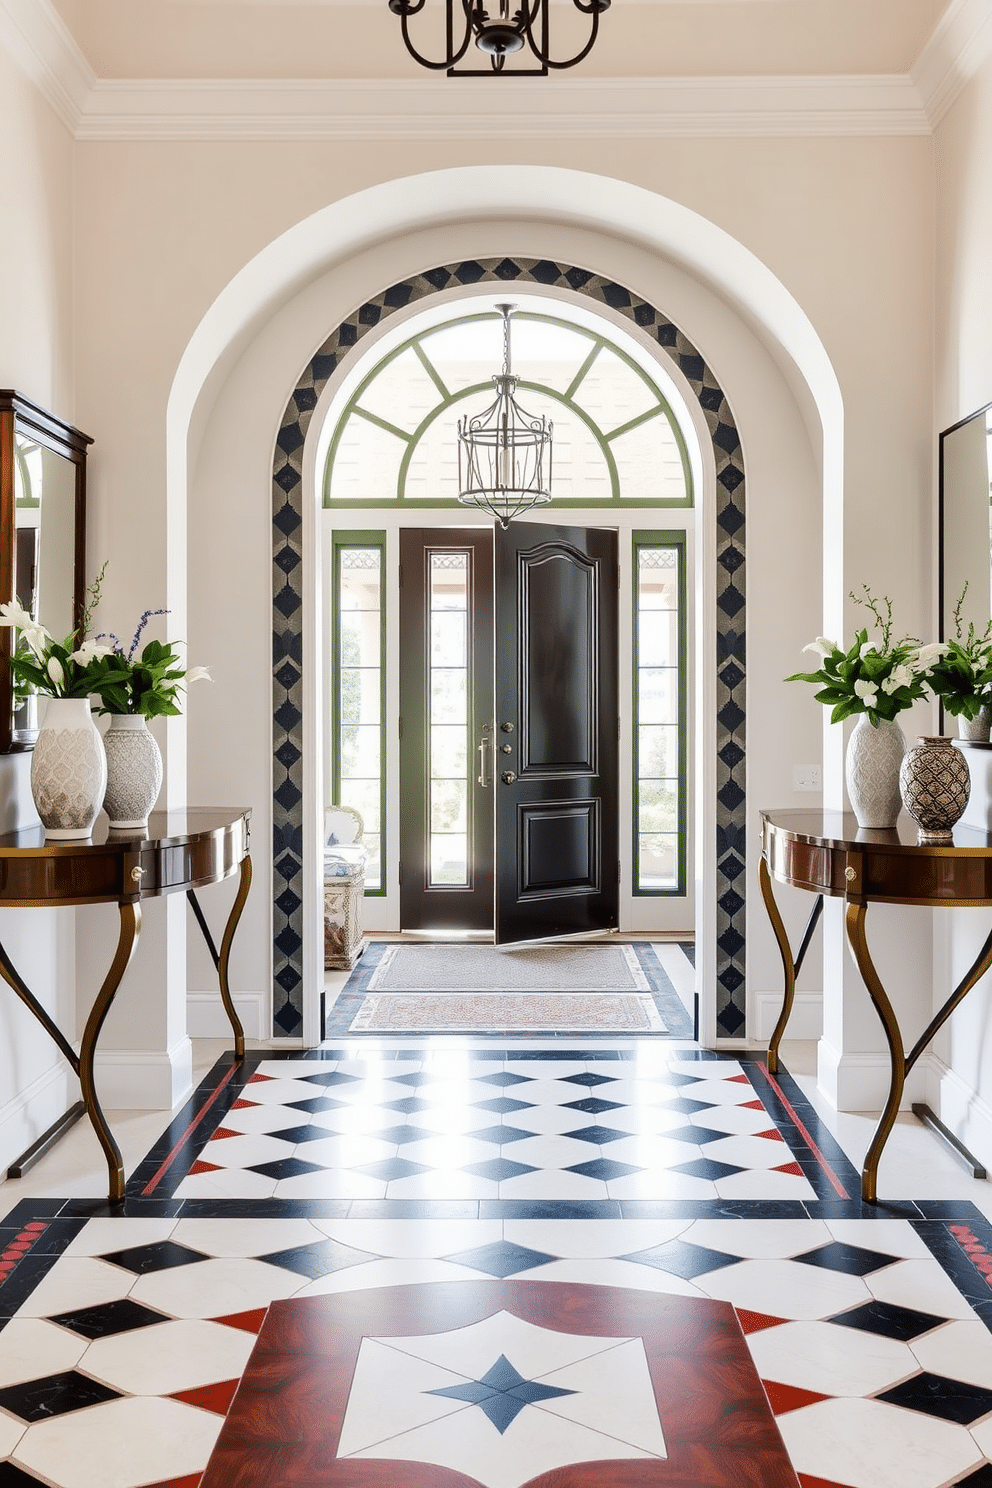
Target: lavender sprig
x,y
141,625
109,635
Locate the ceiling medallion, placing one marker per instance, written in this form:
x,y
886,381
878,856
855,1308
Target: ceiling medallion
x,y
504,453
498,34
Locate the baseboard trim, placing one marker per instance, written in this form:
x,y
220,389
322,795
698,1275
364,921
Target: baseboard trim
x,y
206,1018
860,1082
962,1111
805,1023
32,1111
144,1079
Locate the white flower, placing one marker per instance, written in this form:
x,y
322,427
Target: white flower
x,y
822,646
55,671
90,651
900,676
867,692
198,674
37,638
926,656
867,649
14,614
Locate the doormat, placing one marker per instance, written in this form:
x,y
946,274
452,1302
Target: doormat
x,y
485,991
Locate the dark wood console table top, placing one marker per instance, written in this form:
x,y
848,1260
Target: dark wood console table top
x,y
180,851
828,854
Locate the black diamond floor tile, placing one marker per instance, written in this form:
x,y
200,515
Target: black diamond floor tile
x,y
499,1168
684,1105
308,1133
330,1078
707,1167
409,1105
592,1105
503,1077
317,1103
13,1477
320,1259
679,1258
604,1168
853,1260
414,1078
885,1318
286,1167
590,1079
55,1395
400,1136
143,1259
980,1478
503,1105
502,1258
694,1135
598,1135
936,1395
392,1168
122,1315
500,1136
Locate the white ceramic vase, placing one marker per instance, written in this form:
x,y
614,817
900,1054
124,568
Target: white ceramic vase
x,y
134,771
977,728
874,757
68,769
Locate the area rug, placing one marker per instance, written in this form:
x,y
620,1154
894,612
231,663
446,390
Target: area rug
x,y
485,991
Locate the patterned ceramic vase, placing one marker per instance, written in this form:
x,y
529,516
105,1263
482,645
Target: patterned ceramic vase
x,y
977,728
68,769
134,771
872,769
935,783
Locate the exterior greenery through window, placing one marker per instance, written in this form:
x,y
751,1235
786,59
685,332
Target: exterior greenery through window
x,y
659,713
616,441
358,615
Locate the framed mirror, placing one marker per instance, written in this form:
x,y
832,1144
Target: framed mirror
x,y
966,522
42,538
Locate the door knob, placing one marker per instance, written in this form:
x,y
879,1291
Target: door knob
x,y
508,777
507,728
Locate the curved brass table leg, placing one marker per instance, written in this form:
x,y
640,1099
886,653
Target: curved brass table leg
x,y
788,965
224,957
897,1058
126,943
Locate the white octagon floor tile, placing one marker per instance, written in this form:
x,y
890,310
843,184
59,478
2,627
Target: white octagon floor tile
x,y
100,1236
551,1184
11,1432
443,1184
168,1357
224,1238
345,1150
331,1183
958,1350
31,1348
226,1183
659,1184
259,1120
120,1444
759,1239
764,1184
214,1288
393,1272
449,1151
645,1121
582,1239
406,1237
921,1285
74,1282
548,1120
870,1444
831,1360
279,1092
892,1236
592,1272
785,1288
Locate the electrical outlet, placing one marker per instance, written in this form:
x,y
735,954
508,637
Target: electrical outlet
x,y
806,778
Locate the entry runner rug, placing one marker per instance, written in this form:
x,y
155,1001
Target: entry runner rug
x,y
479,989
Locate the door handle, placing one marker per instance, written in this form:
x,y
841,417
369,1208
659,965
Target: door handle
x,y
508,777
485,766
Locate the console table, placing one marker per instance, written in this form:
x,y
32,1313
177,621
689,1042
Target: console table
x,y
179,851
828,854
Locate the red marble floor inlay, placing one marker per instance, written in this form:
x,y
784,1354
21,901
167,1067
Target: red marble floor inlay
x,y
784,1398
285,1423
216,1398
250,1322
751,1322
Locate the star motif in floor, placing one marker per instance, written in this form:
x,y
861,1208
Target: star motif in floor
x,y
502,1393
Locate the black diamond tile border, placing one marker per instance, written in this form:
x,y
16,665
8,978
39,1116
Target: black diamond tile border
x,y
287,613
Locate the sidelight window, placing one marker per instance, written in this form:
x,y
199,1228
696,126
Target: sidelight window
x,y
659,713
357,725
448,691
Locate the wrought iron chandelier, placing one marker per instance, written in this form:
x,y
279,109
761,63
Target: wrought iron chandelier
x,y
504,453
498,34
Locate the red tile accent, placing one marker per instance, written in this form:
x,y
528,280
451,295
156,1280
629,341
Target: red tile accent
x,y
204,1167
755,1322
738,1080
772,1135
255,1078
242,1105
285,1421
755,1105
19,1247
784,1398
248,1322
224,1131
792,1167
215,1398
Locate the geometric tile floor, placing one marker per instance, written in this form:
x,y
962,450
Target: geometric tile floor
x,y
360,1174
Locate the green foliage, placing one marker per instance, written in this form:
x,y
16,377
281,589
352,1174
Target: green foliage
x,y
962,677
148,685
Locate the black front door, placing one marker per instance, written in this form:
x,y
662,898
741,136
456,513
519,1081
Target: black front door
x,y
556,735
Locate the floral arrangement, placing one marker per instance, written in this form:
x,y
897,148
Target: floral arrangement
x,y
148,684
962,676
879,677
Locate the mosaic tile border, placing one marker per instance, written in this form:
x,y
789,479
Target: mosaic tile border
x,y
287,629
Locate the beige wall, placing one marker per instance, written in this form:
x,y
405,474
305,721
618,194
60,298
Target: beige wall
x,y
36,227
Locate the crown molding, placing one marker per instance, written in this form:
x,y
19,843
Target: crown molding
x,y
37,37
585,108
961,42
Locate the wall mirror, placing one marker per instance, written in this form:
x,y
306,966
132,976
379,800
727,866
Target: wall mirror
x,y
42,538
965,545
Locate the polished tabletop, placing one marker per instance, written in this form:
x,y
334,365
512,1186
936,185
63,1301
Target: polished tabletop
x,y
840,830
164,828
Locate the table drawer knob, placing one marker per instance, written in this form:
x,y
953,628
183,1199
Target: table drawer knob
x,y
137,874
850,873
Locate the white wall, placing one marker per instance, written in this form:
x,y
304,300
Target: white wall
x,y
961,1084
36,1085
